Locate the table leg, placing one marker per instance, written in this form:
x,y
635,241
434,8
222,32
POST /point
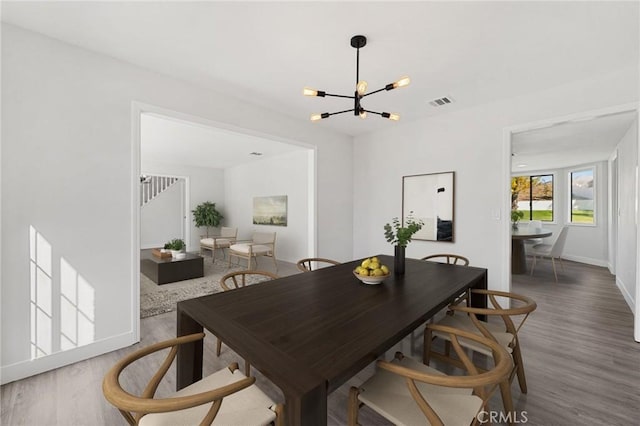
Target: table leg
x,y
189,357
480,300
518,257
308,409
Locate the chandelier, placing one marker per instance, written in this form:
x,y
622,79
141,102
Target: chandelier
x,y
357,42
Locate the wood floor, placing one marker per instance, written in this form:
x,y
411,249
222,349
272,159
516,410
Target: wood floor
x,y
582,364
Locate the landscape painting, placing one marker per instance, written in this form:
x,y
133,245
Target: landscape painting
x,y
270,210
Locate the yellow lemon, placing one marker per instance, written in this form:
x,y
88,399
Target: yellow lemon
x,y
384,269
374,265
364,272
377,272
375,259
365,263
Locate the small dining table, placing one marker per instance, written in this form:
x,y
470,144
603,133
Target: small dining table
x,y
518,255
309,333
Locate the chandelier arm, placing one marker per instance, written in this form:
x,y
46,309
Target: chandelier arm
x,y
371,93
338,96
372,112
340,112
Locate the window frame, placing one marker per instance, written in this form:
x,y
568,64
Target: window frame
x,y
553,197
570,172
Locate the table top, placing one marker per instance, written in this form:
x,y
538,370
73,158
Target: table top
x,y
326,325
525,232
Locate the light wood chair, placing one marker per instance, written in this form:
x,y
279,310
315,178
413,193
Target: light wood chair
x,y
226,238
553,251
198,404
262,244
451,259
310,264
238,279
504,332
407,392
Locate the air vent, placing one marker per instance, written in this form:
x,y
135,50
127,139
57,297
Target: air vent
x,y
255,153
441,101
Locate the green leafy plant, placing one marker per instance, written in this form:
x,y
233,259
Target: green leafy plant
x,y
206,214
516,215
175,244
400,235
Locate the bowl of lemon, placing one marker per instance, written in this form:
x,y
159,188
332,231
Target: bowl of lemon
x,y
371,271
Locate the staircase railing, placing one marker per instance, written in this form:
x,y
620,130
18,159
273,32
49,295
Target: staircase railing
x,y
152,186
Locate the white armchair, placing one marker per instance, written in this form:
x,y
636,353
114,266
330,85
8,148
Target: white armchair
x,y
262,244
226,238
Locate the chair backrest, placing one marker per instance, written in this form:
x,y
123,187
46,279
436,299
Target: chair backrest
x,y
483,382
451,259
241,278
307,265
264,238
133,407
231,233
558,244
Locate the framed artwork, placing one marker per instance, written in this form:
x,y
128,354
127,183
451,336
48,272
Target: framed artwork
x,y
270,210
430,198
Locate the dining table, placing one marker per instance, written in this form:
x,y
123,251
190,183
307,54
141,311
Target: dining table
x,y
518,236
311,332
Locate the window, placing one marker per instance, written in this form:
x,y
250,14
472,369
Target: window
x,y
533,195
582,196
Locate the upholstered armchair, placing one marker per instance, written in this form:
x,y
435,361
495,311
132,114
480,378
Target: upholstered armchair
x,y
262,244
226,238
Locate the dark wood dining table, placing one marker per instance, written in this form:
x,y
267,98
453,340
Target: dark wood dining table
x,y
518,255
310,332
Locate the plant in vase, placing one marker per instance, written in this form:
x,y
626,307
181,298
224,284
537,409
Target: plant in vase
x,y
176,246
516,215
400,236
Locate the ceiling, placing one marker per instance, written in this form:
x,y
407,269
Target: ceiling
x,y
266,52
569,143
170,141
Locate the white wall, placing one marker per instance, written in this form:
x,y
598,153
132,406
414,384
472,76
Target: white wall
x,y
626,252
204,184
469,142
285,174
161,219
68,171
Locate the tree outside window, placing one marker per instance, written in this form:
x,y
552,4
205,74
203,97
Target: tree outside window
x,y
533,195
582,196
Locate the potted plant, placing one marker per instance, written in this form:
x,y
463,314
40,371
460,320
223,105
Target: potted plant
x,y
207,215
176,246
516,215
400,236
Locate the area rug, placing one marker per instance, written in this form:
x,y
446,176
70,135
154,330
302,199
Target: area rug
x,y
158,299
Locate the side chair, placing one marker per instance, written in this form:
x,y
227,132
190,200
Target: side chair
x,y
407,392
225,397
502,331
451,259
310,264
553,251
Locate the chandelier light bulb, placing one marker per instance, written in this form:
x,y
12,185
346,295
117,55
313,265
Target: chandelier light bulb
x,y
361,87
363,114
316,117
404,81
308,91
394,117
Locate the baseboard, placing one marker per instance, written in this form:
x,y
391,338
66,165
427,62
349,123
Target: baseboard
x,y
611,268
587,260
627,296
23,369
